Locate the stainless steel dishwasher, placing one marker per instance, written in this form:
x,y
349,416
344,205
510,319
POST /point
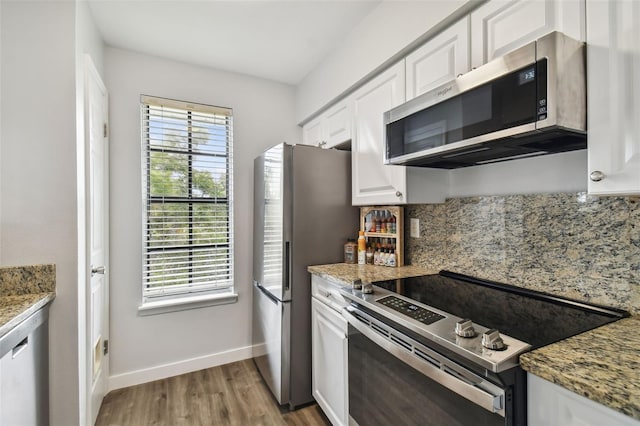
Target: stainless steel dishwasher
x,y
24,372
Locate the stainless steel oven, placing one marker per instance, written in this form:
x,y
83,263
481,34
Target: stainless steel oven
x,y
416,359
393,379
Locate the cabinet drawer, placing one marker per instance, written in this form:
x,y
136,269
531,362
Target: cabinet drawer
x,y
327,292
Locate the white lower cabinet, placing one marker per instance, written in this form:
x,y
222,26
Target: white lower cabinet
x,y
551,405
329,362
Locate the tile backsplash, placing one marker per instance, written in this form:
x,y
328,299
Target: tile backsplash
x,y
573,245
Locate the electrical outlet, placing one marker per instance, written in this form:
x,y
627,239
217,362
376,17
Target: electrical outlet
x,y
415,228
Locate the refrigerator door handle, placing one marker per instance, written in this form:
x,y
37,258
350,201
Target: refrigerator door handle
x,y
266,292
286,277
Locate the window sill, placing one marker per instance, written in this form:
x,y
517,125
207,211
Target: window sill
x,y
185,303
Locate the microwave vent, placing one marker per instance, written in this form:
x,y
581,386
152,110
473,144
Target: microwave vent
x,y
532,145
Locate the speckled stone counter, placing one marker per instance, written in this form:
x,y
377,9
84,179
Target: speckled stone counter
x,y
347,273
602,364
24,290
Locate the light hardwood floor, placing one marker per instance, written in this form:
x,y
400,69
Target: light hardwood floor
x,y
231,394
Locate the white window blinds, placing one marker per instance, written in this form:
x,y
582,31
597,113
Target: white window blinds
x,y
188,189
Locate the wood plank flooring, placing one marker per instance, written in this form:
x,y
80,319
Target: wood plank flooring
x,y
231,394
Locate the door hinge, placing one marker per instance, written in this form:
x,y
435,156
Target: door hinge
x,y
104,127
105,347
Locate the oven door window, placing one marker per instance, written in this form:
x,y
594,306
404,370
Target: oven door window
x,y
505,102
385,391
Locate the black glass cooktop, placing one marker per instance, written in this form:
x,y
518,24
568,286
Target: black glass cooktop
x,y
533,317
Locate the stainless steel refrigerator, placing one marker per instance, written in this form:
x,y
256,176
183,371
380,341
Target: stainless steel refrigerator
x,y
302,216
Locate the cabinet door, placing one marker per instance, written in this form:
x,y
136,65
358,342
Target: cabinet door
x,y
329,362
336,124
372,181
439,60
312,132
550,404
613,84
500,26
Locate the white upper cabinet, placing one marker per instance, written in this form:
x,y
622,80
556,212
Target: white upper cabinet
x,y
312,132
372,181
613,104
439,60
500,26
331,128
337,123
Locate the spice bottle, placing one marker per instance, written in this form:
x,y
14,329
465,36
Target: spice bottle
x,y
383,222
393,260
350,251
362,248
369,255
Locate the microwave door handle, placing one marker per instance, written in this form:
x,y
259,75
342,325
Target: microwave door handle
x,y
492,402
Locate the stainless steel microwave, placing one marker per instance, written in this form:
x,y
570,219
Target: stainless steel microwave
x,y
529,102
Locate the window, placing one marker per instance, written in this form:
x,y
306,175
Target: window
x,y
188,192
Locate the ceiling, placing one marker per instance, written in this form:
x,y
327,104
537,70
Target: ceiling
x,y
272,39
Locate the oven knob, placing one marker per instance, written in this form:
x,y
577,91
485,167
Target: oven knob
x,y
491,340
464,328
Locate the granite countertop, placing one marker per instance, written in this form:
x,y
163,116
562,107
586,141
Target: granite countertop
x,y
23,291
347,273
15,309
602,364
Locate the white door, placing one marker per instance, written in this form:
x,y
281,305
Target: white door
x,y
97,295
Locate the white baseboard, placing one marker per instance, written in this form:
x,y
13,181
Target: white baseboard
x,y
176,368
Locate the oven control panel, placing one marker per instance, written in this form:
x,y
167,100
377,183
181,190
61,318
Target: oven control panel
x,y
418,313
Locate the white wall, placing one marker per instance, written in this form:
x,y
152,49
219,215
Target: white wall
x,y
144,348
88,38
38,172
387,30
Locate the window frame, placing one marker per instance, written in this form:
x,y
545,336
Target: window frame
x,y
167,297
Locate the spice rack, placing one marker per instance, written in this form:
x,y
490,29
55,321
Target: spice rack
x,y
394,239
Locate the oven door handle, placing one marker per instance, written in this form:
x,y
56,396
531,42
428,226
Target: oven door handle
x,y
466,384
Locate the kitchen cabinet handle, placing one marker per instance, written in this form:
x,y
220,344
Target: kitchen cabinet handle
x,y
398,194
596,176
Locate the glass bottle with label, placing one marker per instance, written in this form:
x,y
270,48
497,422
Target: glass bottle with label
x,y
350,251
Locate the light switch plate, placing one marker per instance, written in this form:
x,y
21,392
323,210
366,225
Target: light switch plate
x,y
415,228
